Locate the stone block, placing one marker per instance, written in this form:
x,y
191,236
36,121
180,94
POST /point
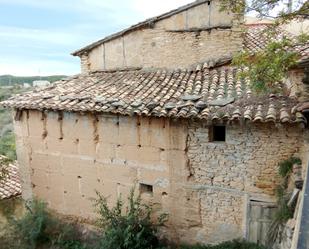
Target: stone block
x,y
35,124
149,155
57,181
53,125
106,152
118,174
87,147
178,136
130,154
72,202
37,144
199,16
76,126
114,53
128,131
108,129
56,200
40,178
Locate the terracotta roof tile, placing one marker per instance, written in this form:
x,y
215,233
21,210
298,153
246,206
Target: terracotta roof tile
x,y
204,93
256,39
10,186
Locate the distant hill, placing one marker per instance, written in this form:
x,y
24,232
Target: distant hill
x,y
10,79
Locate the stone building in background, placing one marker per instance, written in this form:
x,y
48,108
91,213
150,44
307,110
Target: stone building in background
x,y
158,106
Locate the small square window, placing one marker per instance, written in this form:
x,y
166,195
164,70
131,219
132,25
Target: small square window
x,y
217,133
145,188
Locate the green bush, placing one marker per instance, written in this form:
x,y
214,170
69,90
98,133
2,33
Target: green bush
x,y
39,229
130,228
7,145
286,167
235,244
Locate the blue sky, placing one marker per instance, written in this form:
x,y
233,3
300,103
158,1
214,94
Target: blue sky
x,y
37,36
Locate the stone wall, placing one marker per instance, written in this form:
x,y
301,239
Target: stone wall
x,y
71,156
204,186
178,41
247,161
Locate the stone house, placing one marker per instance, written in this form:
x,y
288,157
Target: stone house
x,y
159,106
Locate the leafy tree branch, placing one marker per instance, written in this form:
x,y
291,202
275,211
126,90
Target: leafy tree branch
x,y
267,68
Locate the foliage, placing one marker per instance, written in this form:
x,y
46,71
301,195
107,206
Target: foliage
x,y
286,166
131,228
284,212
7,145
235,244
39,228
3,172
268,68
9,206
7,138
10,79
4,162
282,10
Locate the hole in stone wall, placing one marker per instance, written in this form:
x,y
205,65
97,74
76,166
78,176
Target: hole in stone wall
x,y
164,194
217,133
145,189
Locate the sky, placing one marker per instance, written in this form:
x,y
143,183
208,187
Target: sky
x,y
37,37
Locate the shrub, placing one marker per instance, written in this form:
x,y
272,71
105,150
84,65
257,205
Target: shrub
x,y
286,167
283,212
39,229
7,145
130,228
235,244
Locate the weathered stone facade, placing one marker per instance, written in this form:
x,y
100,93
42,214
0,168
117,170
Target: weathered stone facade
x,y
80,140
191,36
204,186
247,161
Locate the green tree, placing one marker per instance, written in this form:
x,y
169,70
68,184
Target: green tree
x,y
267,68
